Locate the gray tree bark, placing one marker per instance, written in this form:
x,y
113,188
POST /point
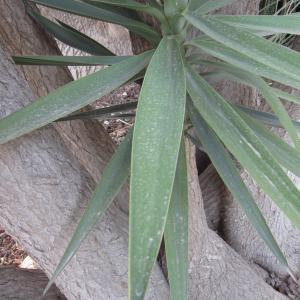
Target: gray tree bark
x,y
22,284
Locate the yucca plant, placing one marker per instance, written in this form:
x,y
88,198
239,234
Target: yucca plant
x,y
176,101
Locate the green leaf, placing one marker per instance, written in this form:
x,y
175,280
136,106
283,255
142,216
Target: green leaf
x,y
116,116
195,4
173,7
156,141
130,4
242,61
113,8
210,5
114,176
70,97
269,24
154,3
266,118
286,96
231,177
266,92
126,3
286,155
90,11
68,60
176,232
70,36
243,143
278,109
270,54
101,113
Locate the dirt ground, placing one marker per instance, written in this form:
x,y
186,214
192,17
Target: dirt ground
x,y
10,252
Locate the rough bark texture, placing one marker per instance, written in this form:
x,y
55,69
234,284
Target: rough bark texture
x,y
22,284
44,189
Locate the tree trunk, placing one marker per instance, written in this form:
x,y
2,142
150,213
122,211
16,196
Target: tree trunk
x,y
22,284
44,189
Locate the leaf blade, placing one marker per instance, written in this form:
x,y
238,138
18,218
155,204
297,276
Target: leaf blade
x,y
266,117
129,4
195,4
176,232
210,5
101,112
70,36
270,54
242,61
267,92
245,146
231,177
59,60
286,155
70,98
90,11
156,134
270,24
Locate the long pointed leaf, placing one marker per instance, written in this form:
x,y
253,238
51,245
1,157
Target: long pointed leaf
x,y
266,117
90,11
245,146
68,60
156,141
242,61
113,178
286,155
125,3
70,36
173,7
286,96
101,113
215,77
267,93
130,4
176,232
195,4
270,54
113,8
231,177
70,97
271,24
210,5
